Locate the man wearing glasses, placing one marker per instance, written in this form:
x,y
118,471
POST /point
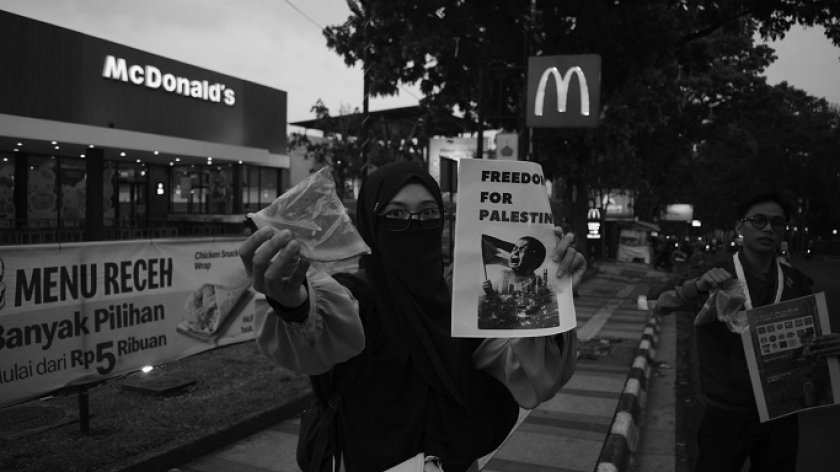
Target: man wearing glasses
x,y
730,431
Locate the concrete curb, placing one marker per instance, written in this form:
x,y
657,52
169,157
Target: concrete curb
x,y
191,448
622,440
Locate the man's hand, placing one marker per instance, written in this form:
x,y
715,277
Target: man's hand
x,y
712,279
570,261
827,345
274,263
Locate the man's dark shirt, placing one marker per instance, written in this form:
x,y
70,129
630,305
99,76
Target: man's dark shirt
x,y
724,375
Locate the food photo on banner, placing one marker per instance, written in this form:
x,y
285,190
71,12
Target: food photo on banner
x,y
504,280
80,312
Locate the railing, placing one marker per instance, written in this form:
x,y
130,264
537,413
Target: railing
x,y
41,231
17,232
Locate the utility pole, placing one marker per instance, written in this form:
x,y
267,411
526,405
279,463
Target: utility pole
x,y
525,141
366,10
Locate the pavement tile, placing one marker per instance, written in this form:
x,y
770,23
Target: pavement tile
x,y
584,405
268,449
660,420
501,465
551,451
664,463
214,464
599,368
598,382
569,422
573,433
660,443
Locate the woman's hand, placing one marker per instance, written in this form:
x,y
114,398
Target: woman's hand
x,y
571,262
274,263
827,345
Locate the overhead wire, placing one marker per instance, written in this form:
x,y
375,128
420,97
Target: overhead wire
x,y
304,14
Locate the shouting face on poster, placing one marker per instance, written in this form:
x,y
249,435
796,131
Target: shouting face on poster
x,y
527,256
514,295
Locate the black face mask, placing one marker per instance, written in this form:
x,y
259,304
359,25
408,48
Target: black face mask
x,y
414,256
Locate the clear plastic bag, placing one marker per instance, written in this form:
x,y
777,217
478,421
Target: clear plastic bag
x,y
312,211
726,304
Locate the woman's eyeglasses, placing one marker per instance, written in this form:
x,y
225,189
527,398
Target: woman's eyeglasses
x,y
760,222
399,220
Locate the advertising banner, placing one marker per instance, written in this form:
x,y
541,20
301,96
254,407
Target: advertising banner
x,y
77,313
678,212
785,375
504,280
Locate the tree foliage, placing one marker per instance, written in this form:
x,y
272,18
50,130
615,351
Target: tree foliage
x,y
391,141
686,114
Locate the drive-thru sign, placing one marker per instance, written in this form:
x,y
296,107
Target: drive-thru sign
x,y
564,91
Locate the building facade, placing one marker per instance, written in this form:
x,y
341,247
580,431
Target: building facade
x,y
103,141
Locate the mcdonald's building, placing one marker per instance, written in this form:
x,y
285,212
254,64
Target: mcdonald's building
x,y
103,141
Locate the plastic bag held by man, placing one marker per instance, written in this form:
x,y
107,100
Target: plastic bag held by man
x,y
726,304
312,211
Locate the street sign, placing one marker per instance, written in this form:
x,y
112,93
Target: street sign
x,y
507,146
564,91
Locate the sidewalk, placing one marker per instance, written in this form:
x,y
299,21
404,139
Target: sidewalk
x,y
594,423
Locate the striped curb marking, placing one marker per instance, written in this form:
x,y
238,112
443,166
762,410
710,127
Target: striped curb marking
x,y
624,431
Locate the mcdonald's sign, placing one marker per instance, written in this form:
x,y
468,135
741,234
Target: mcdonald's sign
x,y
564,91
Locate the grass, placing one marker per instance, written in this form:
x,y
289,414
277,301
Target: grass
x,y
233,383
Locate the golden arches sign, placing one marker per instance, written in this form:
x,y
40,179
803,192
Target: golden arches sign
x,y
562,83
577,101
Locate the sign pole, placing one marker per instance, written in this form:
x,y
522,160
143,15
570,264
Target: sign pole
x,y
480,144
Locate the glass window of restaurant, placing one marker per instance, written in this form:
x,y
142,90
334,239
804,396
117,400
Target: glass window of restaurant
x,y
42,194
199,189
57,192
220,189
189,190
132,195
259,187
7,191
72,198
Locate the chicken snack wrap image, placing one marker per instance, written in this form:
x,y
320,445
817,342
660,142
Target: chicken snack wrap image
x,y
315,215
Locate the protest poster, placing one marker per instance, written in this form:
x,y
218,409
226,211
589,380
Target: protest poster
x,y
84,312
786,377
504,280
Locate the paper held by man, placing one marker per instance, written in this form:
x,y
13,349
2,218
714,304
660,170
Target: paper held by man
x,y
786,377
504,280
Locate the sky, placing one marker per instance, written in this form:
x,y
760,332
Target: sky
x,y
279,44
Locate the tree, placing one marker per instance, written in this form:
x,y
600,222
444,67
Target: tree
x,y
668,66
340,149
391,141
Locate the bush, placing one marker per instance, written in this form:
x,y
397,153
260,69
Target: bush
x,y
233,383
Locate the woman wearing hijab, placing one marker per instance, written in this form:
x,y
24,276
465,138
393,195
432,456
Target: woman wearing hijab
x,y
418,390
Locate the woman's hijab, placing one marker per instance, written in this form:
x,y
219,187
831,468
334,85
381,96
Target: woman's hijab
x,y
437,401
405,270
